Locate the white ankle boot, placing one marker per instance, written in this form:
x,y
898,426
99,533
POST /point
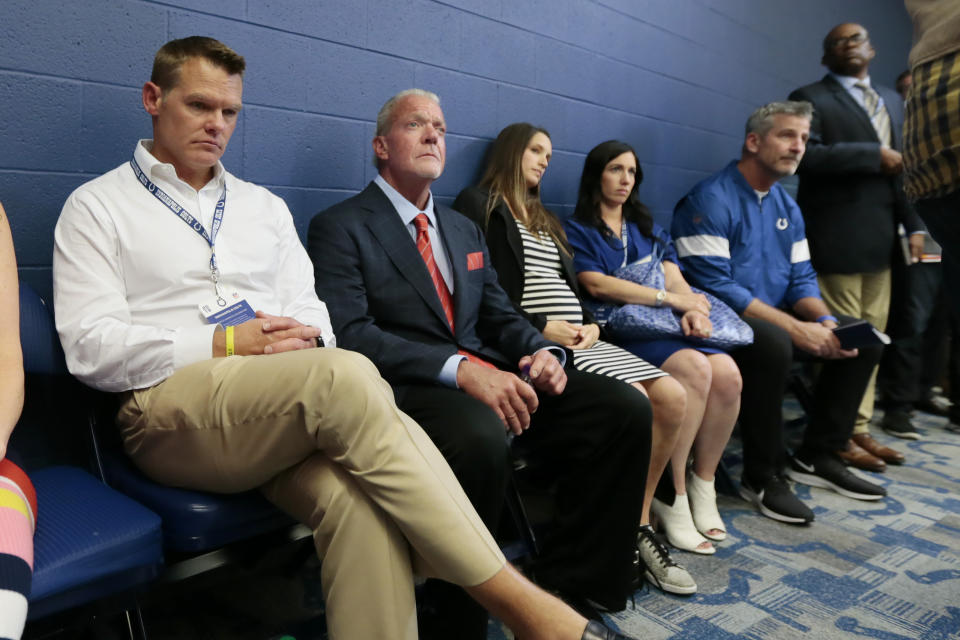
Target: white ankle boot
x,y
703,507
678,524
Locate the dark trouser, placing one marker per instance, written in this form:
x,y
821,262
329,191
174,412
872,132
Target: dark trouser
x,y
594,439
765,369
480,458
934,352
942,217
916,294
941,353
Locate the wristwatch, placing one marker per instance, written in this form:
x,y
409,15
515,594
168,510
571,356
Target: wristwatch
x,y
661,296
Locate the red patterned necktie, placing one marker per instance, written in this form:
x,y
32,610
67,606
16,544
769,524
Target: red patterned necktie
x,y
446,300
426,252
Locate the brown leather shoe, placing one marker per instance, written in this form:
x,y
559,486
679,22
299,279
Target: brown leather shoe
x,y
866,441
858,457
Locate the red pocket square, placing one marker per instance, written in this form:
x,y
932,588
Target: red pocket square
x,y
475,260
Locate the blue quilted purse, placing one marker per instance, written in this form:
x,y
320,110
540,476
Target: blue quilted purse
x,y
644,322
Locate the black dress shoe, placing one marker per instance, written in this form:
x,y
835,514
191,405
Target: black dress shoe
x,y
598,631
583,606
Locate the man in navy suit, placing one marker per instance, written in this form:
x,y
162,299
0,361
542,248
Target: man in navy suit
x,y
851,195
410,285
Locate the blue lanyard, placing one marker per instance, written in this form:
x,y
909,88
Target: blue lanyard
x,y
623,239
189,220
654,251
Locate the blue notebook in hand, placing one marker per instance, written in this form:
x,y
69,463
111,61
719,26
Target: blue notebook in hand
x,y
860,334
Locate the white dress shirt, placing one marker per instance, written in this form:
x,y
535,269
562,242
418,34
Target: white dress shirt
x,y
129,274
408,212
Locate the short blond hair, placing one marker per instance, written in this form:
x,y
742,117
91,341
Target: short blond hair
x,y
171,56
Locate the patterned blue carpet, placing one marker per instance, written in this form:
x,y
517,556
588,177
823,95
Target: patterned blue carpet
x,y
888,570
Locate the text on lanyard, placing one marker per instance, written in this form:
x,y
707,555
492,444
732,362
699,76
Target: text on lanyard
x,y
190,221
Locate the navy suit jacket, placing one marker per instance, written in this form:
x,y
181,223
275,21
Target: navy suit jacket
x,y
382,301
850,207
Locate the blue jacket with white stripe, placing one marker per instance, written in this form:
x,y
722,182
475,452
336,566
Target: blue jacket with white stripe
x,y
739,247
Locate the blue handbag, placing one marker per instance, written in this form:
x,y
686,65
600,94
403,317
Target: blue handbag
x,y
644,322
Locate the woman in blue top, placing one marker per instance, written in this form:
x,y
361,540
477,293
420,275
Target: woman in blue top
x,y
612,228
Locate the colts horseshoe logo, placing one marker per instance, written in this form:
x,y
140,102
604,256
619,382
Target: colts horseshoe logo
x,y
781,223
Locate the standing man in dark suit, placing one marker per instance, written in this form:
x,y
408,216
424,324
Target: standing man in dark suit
x,y
412,288
851,195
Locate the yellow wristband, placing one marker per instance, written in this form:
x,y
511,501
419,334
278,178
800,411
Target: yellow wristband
x,y
229,341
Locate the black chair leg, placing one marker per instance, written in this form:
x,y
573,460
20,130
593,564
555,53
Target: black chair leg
x,y
519,516
136,628
723,482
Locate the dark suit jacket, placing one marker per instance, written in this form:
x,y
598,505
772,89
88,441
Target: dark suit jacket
x,y
506,249
383,303
850,208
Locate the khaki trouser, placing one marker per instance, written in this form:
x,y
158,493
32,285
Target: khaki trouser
x,y
319,432
865,296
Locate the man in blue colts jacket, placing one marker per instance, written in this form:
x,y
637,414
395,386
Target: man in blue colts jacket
x,y
740,236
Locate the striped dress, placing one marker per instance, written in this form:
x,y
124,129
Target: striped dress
x,y
545,291
18,509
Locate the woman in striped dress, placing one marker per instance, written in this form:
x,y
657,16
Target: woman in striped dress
x,y
533,262
18,501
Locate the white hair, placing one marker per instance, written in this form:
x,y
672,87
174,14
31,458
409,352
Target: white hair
x,y
385,115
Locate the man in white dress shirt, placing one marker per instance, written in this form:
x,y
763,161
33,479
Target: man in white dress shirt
x,y
187,290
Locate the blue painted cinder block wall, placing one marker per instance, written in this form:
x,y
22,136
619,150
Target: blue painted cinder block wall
x,y
676,78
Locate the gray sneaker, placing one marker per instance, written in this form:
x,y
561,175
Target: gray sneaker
x,y
659,568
